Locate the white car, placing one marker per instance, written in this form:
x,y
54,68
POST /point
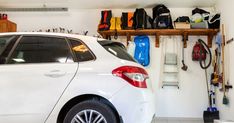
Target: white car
x,y
65,78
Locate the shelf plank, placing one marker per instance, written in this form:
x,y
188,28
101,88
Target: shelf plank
x,y
210,33
7,26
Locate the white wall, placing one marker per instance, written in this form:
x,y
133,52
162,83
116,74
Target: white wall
x,y
226,8
189,101
77,20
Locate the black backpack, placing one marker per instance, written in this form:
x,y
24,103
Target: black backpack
x,y
162,17
127,20
105,20
141,20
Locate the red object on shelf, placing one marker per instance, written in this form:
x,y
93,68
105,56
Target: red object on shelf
x,y
4,16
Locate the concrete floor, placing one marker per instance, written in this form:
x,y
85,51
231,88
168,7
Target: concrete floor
x,y
178,120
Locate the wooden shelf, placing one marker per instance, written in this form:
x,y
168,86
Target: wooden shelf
x,y
7,26
210,33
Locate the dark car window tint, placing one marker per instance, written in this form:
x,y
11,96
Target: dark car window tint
x,y
36,49
6,45
81,51
6,41
117,49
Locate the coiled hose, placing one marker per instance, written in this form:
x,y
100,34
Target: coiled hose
x,y
209,53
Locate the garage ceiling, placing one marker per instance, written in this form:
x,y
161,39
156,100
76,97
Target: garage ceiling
x,y
101,4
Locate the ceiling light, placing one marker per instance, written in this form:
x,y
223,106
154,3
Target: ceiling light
x,y
44,9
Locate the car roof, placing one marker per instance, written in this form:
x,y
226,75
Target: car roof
x,y
45,33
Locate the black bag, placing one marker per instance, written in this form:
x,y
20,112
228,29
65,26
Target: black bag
x,y
204,13
160,9
148,22
183,19
199,11
127,20
162,17
214,21
141,20
105,20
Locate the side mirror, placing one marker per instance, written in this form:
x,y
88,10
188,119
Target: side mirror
x,y
3,60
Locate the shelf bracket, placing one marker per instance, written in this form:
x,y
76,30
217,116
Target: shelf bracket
x,y
157,38
185,39
210,33
128,38
210,39
104,36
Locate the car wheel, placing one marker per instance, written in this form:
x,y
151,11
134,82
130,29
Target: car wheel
x,y
90,111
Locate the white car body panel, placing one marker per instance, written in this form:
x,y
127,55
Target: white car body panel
x,y
92,77
32,90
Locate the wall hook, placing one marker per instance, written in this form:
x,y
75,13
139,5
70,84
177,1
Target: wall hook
x,y
229,41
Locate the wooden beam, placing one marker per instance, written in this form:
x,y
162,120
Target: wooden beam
x,y
166,32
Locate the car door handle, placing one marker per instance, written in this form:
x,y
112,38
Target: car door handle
x,y
55,74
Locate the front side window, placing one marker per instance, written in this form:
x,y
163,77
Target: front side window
x,y
81,51
38,49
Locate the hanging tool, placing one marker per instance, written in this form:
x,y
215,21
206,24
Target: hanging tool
x,y
200,51
217,75
85,32
227,84
207,49
62,30
211,94
212,112
229,41
184,66
55,29
216,78
225,98
69,31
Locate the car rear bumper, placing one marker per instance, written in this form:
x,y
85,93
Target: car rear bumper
x,y
134,105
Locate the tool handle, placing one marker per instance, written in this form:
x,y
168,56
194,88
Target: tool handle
x,y
223,68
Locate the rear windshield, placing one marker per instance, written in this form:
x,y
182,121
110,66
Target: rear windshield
x,y
117,49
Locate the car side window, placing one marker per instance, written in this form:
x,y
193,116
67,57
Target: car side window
x,y
39,49
6,45
81,51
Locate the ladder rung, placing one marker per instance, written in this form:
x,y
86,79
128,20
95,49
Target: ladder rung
x,y
170,82
170,72
175,84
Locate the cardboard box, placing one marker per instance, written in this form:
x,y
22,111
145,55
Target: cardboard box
x,y
182,25
223,121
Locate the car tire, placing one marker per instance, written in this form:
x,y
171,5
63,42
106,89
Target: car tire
x,y
83,110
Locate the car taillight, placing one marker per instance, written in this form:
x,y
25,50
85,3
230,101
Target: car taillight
x,y
136,76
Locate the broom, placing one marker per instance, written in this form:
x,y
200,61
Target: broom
x,y
225,99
